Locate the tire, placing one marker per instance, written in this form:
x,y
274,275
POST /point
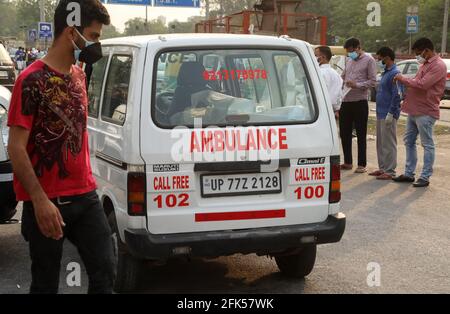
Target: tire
x,y
298,265
127,267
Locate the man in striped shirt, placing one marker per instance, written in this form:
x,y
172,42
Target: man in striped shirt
x,y
359,76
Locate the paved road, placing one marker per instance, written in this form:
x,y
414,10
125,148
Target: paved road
x,y
404,230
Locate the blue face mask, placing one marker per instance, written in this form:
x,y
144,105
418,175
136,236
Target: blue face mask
x,y
77,51
353,55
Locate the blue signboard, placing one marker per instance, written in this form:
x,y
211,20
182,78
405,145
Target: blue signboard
x,y
32,35
45,30
412,24
178,3
130,2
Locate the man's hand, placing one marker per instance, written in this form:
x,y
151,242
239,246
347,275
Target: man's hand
x,y
398,78
47,214
351,84
336,114
49,219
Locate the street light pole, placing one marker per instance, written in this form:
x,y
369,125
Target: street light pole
x,y
445,28
42,10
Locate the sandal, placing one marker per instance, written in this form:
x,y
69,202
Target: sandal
x,y
346,167
376,173
385,176
361,170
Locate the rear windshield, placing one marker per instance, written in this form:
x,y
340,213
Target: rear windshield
x,y
231,87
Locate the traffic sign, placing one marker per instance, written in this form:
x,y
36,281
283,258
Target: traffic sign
x,y
412,24
45,30
130,2
32,35
178,3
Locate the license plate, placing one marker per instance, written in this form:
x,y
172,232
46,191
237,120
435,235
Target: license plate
x,y
3,74
240,184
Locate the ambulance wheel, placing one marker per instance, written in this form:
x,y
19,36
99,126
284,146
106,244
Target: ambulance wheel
x,y
127,267
298,265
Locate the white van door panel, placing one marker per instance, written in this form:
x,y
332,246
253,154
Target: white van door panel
x,y
113,142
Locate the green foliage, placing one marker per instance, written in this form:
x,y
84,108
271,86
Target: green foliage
x,y
8,20
184,27
347,18
110,31
138,26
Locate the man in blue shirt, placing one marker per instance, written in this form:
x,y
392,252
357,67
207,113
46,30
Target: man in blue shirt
x,y
388,113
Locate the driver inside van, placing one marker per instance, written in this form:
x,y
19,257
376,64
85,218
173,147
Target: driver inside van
x,y
190,81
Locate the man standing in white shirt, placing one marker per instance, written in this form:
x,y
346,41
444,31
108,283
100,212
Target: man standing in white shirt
x,y
332,78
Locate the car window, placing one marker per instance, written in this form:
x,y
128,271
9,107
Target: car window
x,y
401,67
115,101
232,87
255,90
294,85
95,86
413,68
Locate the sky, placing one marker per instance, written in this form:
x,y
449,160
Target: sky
x,y
121,13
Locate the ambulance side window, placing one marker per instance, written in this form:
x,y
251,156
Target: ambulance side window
x,y
115,101
95,86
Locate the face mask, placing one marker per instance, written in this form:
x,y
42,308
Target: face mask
x,y
91,53
421,59
381,65
353,55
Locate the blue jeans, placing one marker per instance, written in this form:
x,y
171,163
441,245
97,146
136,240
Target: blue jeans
x,y
422,126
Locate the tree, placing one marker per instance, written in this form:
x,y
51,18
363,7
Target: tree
x,y
28,12
8,21
138,26
348,18
227,7
184,27
110,31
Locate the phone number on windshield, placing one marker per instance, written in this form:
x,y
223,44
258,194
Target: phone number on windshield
x,y
235,75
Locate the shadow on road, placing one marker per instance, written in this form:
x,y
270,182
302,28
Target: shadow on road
x,y
210,276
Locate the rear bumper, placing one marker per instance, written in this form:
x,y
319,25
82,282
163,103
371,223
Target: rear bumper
x,y
261,241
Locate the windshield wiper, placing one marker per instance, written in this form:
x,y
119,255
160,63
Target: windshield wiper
x,y
237,118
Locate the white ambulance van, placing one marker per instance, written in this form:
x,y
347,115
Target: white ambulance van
x,y
211,145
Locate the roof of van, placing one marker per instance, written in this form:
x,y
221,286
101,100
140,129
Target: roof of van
x,y
144,39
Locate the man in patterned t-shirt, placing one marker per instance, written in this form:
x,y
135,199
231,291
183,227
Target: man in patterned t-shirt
x,y
48,146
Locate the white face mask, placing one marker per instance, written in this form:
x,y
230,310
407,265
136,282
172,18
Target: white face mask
x,y
421,59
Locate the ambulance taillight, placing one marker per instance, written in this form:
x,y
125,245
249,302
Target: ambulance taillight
x,y
137,200
335,180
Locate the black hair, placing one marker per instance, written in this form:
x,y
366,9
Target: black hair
x,y
91,10
423,43
386,52
326,51
352,43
